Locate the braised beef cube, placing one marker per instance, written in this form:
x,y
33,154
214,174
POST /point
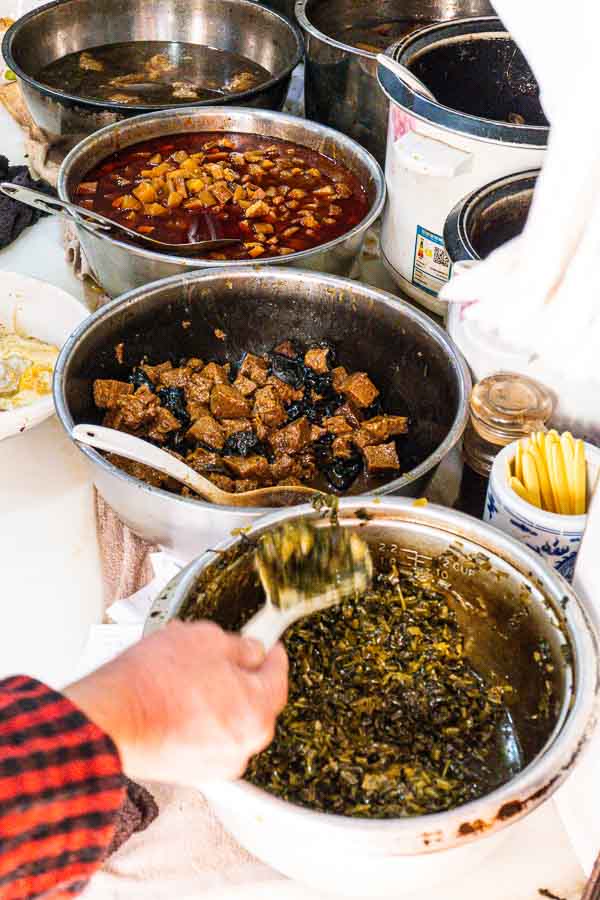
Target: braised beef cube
x,y
285,392
283,466
138,410
113,418
195,364
360,389
198,389
208,431
343,447
223,482
292,438
286,348
316,433
138,470
179,377
307,464
233,426
351,413
164,422
226,402
382,458
196,410
338,377
245,484
255,368
379,430
203,461
107,392
215,374
244,385
396,425
260,429
337,425
363,438
316,360
268,407
154,373
255,467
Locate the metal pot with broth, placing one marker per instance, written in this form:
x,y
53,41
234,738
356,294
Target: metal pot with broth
x,y
153,72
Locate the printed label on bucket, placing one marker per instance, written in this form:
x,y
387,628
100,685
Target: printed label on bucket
x,y
431,266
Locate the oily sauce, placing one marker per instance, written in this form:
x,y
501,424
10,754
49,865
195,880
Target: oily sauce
x,y
304,198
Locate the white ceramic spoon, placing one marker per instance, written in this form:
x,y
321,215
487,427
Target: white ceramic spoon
x,y
138,450
337,547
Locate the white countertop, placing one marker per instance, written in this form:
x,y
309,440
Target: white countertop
x,y
52,593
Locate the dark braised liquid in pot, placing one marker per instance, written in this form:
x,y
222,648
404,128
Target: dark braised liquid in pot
x,y
278,197
153,73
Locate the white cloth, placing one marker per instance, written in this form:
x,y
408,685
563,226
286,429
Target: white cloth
x,y
539,292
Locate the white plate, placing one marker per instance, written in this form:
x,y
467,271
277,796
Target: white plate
x,y
37,309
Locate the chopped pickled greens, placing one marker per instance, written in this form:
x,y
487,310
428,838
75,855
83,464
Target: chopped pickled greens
x,y
386,717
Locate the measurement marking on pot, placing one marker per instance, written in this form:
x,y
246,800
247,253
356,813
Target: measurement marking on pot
x,y
409,560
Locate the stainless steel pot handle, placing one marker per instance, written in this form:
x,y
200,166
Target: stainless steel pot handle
x,y
54,206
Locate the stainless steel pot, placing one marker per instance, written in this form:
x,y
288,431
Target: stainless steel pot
x,y
285,7
411,359
489,217
513,600
341,87
120,267
53,30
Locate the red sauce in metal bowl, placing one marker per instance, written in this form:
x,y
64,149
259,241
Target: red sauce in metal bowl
x,y
278,197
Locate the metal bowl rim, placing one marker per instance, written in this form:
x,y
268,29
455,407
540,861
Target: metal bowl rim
x,y
277,273
109,106
306,24
456,231
582,632
336,137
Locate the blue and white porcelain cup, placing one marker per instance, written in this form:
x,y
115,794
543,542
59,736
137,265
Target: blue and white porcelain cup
x,y
555,537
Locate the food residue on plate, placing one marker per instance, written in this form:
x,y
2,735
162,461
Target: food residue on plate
x,y
26,366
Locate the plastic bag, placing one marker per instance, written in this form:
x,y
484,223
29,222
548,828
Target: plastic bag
x,y
540,293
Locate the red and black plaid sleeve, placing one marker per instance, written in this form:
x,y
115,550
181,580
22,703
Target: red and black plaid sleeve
x,y
61,790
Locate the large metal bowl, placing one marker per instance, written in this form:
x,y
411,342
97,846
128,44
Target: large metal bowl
x,y
411,359
120,266
341,86
66,26
512,601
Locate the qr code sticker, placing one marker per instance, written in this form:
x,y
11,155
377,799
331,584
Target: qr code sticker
x,y
440,257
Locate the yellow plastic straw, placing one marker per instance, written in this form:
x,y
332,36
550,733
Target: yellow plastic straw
x,y
560,479
530,479
518,462
548,470
518,488
544,478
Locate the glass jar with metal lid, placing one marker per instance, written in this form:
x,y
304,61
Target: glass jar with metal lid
x,y
503,408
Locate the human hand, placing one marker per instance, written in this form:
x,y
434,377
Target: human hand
x,y
191,703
